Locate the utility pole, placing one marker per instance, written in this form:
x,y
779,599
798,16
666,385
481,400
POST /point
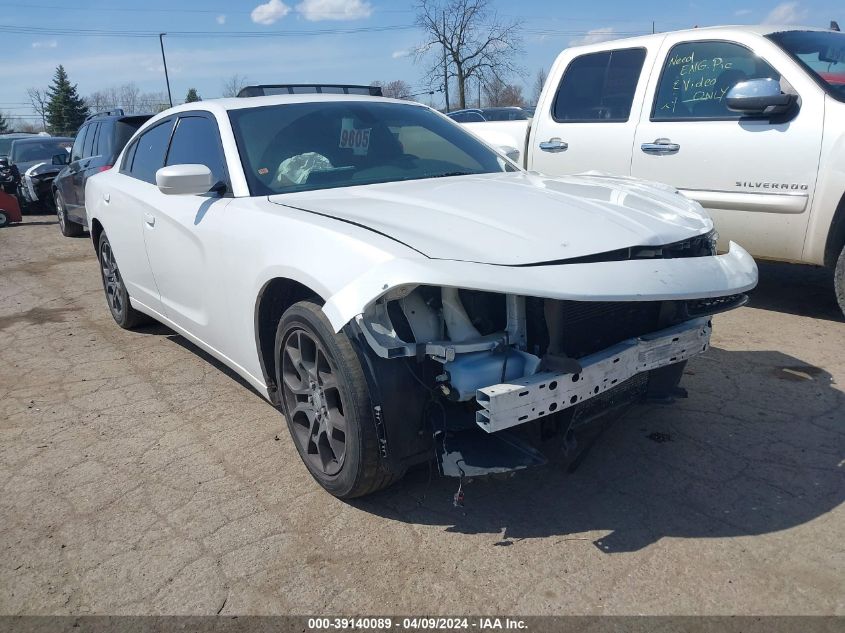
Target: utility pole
x,y
164,61
445,65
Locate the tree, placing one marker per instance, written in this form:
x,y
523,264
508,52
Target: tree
x,y
471,37
66,110
396,89
192,96
500,94
233,85
38,100
539,82
4,126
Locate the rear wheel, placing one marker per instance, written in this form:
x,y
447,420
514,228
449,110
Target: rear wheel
x,y
68,227
839,280
117,296
4,218
326,403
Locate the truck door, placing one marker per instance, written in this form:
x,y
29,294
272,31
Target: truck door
x,y
755,175
588,120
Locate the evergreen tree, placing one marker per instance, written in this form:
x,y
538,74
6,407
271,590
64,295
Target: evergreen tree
x,y
4,127
192,96
66,110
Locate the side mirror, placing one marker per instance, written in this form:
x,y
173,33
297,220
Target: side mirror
x,y
4,162
760,97
184,180
510,152
61,159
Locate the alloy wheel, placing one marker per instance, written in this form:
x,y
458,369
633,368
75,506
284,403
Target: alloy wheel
x,y
60,212
314,404
112,281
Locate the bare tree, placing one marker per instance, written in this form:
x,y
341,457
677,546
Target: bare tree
x,y
396,89
473,39
539,82
233,85
38,99
500,94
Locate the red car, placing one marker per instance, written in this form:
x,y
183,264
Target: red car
x,y
10,211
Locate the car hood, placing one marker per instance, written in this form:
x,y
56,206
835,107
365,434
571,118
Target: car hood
x,y
42,164
513,218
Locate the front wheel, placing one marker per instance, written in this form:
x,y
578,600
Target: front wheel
x,y
4,218
326,403
117,296
68,227
839,280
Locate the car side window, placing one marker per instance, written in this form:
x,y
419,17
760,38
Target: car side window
x,y
105,139
149,150
88,149
599,87
78,143
697,76
197,141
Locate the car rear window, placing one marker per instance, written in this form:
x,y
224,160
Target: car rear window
x,y
123,131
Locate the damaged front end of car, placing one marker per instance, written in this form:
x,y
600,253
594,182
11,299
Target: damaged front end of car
x,y
462,374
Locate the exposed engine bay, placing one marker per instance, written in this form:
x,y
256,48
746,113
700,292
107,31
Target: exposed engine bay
x,y
504,360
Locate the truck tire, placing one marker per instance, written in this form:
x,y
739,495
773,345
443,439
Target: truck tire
x,y
326,403
68,227
117,297
839,280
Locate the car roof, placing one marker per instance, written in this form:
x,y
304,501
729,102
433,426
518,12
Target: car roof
x,y
759,29
222,106
41,139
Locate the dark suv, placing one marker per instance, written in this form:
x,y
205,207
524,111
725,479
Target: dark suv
x,y
97,144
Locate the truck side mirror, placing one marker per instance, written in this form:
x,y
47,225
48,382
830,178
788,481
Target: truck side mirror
x,y
759,97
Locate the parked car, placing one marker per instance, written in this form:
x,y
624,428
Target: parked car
x,y
95,149
6,141
399,289
35,161
748,121
10,211
477,115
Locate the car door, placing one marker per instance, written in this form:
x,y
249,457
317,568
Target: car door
x,y
756,176
185,235
78,176
130,204
65,183
589,121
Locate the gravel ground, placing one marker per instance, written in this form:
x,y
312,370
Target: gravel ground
x,y
139,476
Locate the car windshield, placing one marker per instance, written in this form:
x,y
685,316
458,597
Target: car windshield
x,y
322,145
821,52
28,151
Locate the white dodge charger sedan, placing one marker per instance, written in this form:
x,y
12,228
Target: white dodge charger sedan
x,y
400,290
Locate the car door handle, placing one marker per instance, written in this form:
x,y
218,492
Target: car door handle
x,y
150,219
660,146
106,198
554,145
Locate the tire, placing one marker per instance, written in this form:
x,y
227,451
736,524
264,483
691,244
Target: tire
x,y
69,228
117,296
326,403
4,218
839,280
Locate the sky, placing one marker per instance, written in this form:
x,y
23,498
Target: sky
x,y
104,43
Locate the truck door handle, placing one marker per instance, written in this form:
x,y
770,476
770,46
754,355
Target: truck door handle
x,y
554,145
150,219
660,146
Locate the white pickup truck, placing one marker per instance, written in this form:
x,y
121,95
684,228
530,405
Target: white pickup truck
x,y
749,121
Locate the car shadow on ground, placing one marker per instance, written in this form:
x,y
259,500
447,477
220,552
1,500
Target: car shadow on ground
x,y
796,289
757,448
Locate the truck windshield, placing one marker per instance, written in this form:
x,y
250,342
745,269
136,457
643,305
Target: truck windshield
x,y
322,145
821,52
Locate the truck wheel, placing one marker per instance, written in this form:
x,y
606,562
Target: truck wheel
x,y
326,403
68,227
839,280
117,296
4,218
